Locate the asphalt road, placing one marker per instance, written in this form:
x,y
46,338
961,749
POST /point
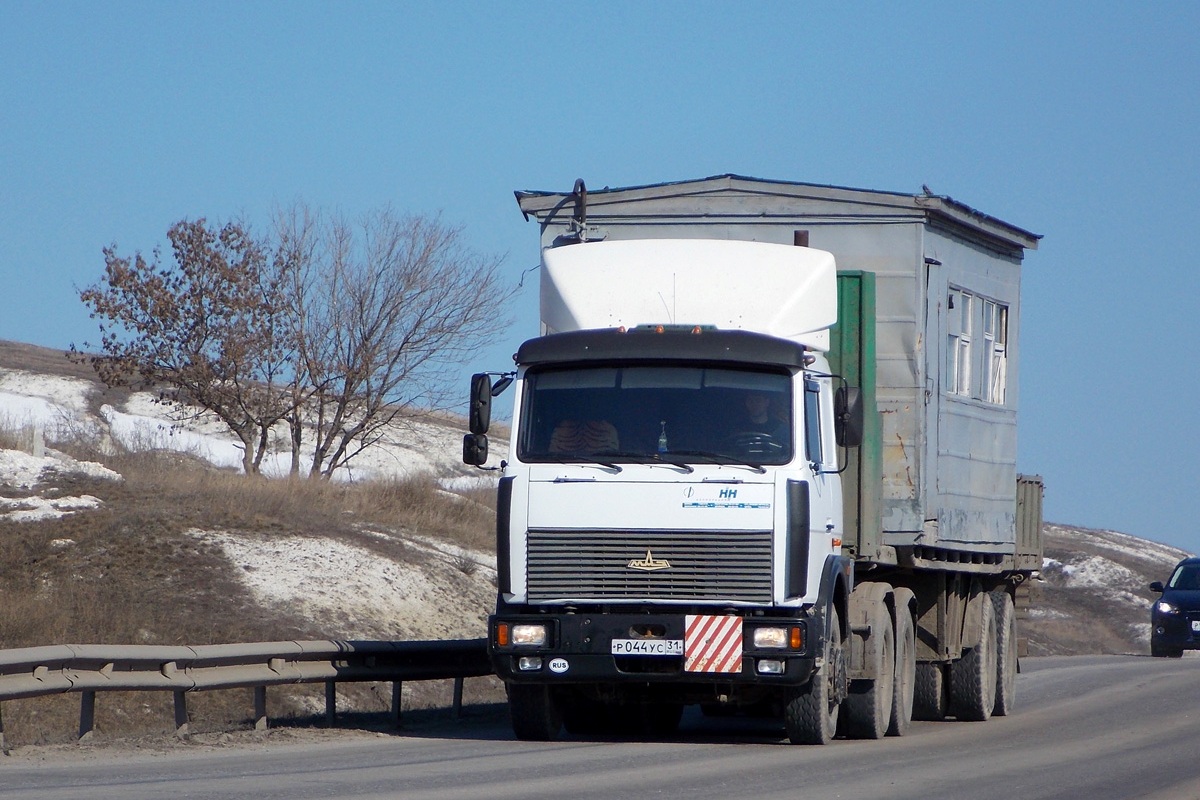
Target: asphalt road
x,y
1101,728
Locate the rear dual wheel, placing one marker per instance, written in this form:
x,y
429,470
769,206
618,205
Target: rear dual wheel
x,y
930,695
884,705
1006,653
973,676
906,667
867,710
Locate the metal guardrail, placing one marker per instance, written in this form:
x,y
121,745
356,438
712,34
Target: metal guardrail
x,y
87,669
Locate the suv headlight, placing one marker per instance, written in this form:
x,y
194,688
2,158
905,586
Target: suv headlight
x,y
1165,608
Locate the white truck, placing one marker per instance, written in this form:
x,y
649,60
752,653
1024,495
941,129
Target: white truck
x,y
714,493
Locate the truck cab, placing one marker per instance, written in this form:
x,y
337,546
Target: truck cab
x,y
671,507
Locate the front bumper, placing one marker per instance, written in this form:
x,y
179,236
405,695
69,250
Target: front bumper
x,y
1180,630
579,649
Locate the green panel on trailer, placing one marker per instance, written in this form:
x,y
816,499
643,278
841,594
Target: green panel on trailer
x,y
852,356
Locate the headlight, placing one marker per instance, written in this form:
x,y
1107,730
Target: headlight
x,y
770,637
528,635
1165,608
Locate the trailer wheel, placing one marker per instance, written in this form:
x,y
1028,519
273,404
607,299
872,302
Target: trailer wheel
x,y
868,707
930,699
973,677
810,713
906,668
535,713
1006,654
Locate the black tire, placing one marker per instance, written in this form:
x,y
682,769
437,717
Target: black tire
x,y
973,677
1159,650
584,716
903,692
810,713
535,713
867,710
1006,654
930,696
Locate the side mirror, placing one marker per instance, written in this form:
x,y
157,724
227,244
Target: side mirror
x,y
475,449
848,416
1157,587
502,384
480,413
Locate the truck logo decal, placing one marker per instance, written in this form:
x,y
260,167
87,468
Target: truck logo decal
x,y
649,563
712,504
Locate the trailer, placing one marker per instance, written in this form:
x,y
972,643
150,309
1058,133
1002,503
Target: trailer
x,y
763,460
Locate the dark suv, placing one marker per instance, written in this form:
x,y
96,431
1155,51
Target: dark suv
x,y
1175,617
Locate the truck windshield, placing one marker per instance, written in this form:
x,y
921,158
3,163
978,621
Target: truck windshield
x,y
646,413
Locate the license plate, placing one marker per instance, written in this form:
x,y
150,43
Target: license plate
x,y
647,647
1196,626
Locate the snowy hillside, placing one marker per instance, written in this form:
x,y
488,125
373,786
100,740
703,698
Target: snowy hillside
x,y
368,596
1092,594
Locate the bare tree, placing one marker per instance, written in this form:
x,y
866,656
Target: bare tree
x,y
208,331
389,307
342,332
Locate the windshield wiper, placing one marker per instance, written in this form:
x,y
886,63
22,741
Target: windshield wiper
x,y
582,458
662,457
719,458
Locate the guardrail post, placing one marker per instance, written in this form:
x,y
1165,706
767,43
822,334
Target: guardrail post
x,y
397,691
87,714
260,708
330,703
181,715
458,691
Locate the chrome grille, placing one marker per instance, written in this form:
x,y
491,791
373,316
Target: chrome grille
x,y
732,566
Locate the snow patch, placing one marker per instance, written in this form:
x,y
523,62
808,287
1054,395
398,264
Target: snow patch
x,y
358,591
31,509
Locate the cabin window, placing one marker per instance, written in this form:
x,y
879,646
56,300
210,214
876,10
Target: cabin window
x,y
976,347
960,318
995,351
812,422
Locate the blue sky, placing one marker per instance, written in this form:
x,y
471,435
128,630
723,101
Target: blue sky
x,y
1071,119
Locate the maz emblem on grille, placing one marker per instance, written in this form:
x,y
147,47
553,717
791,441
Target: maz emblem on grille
x,y
649,563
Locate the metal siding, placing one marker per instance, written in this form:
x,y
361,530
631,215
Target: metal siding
x,y
970,502
948,465
892,253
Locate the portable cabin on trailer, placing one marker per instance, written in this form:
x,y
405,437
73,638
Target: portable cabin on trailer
x,y
946,322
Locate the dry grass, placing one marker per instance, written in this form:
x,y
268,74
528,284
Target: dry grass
x,y
126,573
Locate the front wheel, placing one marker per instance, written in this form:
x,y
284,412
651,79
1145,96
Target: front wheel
x,y
810,714
1159,650
535,713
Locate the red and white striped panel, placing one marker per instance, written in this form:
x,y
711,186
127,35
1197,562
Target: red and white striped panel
x,y
712,644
